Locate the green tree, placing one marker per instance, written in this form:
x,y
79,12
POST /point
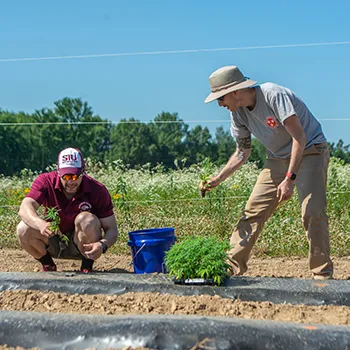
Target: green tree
x,y
132,142
198,145
93,138
340,150
168,132
258,153
16,150
224,145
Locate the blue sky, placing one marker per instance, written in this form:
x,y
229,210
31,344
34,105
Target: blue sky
x,y
145,85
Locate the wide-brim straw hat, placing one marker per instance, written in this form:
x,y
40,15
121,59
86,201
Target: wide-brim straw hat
x,y
226,80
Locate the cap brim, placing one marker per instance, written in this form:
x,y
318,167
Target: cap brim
x,y
215,95
73,171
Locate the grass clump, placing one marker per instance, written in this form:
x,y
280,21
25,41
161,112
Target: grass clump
x,y
198,258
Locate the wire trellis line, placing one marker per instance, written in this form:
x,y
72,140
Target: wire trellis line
x,y
182,199
171,52
144,121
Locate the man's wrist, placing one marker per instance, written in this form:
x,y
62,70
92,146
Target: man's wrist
x,y
104,246
291,176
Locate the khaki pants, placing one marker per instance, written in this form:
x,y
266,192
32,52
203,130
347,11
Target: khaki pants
x,y
60,250
311,187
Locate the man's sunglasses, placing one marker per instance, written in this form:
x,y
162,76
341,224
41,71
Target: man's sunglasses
x,y
221,99
71,177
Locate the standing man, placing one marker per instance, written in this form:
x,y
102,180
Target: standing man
x,y
297,155
85,209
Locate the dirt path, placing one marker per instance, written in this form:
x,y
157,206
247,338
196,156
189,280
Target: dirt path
x,y
155,303
148,303
19,261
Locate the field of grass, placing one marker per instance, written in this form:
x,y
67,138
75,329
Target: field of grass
x,y
153,197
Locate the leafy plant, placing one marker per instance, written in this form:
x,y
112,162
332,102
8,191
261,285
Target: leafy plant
x,y
120,195
198,258
206,173
52,214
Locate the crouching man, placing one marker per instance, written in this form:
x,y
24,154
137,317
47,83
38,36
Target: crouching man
x,y
84,207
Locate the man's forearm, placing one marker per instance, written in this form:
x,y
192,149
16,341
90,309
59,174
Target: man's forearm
x,y
237,159
111,236
29,215
296,131
298,147
234,163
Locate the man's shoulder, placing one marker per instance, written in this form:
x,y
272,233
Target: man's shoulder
x,y
270,87
273,89
49,177
94,184
94,187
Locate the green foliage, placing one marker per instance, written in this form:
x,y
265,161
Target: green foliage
x,y
198,257
340,151
258,154
206,173
199,145
166,140
36,146
224,146
52,215
160,197
207,169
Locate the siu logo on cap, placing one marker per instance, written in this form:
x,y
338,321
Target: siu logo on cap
x,y
85,206
69,158
271,121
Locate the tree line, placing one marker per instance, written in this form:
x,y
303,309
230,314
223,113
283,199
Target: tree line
x,y
164,140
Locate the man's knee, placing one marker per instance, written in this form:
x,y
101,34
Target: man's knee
x,y
28,236
87,228
314,218
23,231
86,220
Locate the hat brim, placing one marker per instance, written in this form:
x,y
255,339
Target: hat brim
x,y
215,95
70,171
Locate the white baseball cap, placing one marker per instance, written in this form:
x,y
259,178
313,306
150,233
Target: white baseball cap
x,y
70,161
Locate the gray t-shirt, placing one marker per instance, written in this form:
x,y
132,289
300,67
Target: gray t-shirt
x,y
274,104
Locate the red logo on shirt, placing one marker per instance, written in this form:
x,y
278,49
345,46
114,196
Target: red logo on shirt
x,y
85,206
271,121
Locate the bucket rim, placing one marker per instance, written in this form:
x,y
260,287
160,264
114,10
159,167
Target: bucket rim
x,y
150,242
147,231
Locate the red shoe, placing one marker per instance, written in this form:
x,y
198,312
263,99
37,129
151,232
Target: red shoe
x,y
85,270
47,268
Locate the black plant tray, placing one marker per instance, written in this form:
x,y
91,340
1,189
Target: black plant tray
x,y
195,282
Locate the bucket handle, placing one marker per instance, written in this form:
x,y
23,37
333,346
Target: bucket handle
x,y
134,257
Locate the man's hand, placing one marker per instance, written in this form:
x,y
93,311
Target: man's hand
x,y
93,250
44,229
207,185
285,190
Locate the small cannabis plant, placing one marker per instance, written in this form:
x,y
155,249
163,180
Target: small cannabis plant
x,y
206,173
198,258
52,214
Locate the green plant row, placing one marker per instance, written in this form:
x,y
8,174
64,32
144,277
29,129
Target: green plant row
x,y
153,197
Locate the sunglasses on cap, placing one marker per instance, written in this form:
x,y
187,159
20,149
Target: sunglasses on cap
x,y
73,177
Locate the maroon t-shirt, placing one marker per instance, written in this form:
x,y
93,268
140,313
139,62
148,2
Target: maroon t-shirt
x,y
92,196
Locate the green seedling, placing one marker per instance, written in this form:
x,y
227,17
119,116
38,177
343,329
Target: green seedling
x,y
198,258
206,174
204,179
52,214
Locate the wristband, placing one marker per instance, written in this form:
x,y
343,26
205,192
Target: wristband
x,y
291,176
104,247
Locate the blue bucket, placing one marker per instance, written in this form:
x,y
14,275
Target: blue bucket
x,y
148,248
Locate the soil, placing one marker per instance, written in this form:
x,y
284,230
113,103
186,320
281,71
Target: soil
x,y
20,261
155,303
